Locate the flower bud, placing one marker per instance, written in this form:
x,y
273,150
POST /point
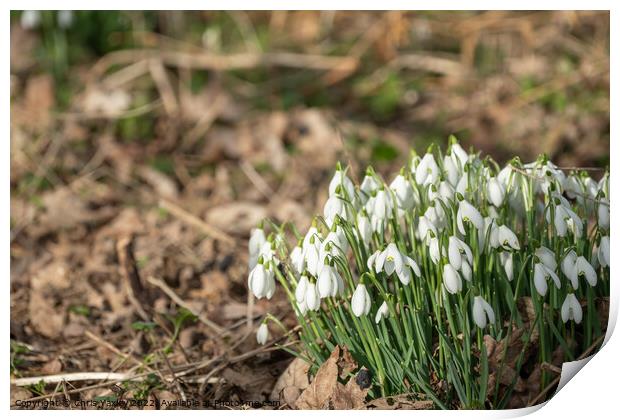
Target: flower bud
x,y
451,279
382,312
360,302
262,334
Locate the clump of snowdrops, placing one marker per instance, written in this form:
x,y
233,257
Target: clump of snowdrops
x,y
410,275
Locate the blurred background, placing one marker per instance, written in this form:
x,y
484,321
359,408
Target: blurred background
x,y
181,130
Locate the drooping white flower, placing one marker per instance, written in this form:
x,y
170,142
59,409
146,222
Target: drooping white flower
x,y
301,289
436,215
340,179
330,282
369,186
313,300
364,228
425,229
482,311
547,257
262,334
507,261
445,192
468,213
261,281
541,275
489,232
255,244
405,275
403,191
379,208
463,185
360,301
584,268
569,268
427,171
371,263
571,309
433,250
382,312
452,171
507,238
312,251
603,252
458,251
603,213
459,155
466,271
335,206
451,279
495,192
298,261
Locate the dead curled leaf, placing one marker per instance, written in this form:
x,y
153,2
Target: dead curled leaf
x,y
326,392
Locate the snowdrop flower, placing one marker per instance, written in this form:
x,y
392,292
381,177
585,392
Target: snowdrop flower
x,y
451,170
584,268
340,179
433,250
541,275
337,240
311,251
403,191
379,208
490,231
426,229
313,300
364,227
360,302
468,213
427,170
458,251
495,192
466,271
405,275
572,187
507,261
298,261
571,309
255,244
330,283
507,238
335,206
301,289
436,215
574,223
568,268
446,192
463,184
458,155
547,257
603,214
481,311
262,334
382,312
390,260
261,281
369,185
371,263
451,279
603,252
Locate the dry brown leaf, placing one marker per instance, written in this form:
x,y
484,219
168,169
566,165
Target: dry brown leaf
x,y
325,392
45,318
292,382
